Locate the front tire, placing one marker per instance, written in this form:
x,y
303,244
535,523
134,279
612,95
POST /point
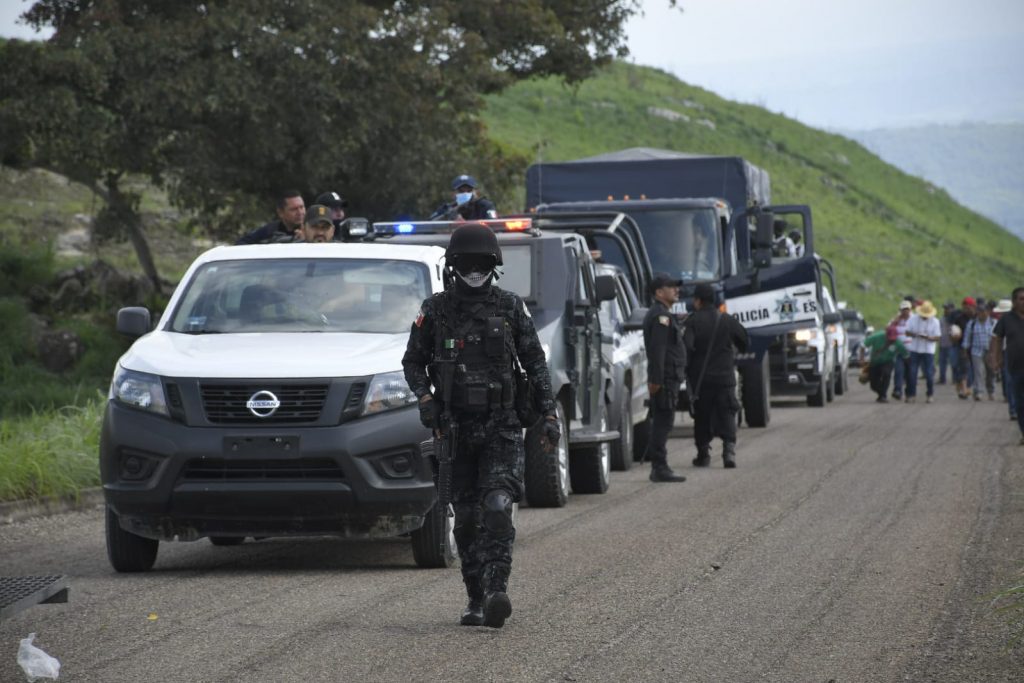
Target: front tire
x,y
755,393
590,468
622,448
126,551
547,474
817,399
427,550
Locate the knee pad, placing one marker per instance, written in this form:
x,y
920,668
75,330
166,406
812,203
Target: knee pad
x,y
496,509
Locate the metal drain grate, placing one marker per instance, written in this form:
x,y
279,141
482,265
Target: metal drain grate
x,y
21,592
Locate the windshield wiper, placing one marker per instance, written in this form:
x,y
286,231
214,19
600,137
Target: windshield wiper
x,y
203,332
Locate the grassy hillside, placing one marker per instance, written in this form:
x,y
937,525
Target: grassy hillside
x,y
888,233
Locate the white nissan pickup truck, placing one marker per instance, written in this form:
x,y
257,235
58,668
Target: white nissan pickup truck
x,y
269,400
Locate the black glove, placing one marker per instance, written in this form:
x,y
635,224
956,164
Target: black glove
x,y
430,413
550,433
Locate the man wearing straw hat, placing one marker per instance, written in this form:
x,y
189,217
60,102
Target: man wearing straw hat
x,y
923,331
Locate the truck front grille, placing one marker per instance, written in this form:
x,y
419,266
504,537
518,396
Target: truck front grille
x,y
226,403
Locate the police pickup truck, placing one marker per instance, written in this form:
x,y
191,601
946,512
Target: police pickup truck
x,y
555,275
269,400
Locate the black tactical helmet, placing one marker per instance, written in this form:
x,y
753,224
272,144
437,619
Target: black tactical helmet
x,y
473,238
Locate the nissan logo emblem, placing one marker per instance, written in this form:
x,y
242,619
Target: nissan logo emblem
x,y
262,404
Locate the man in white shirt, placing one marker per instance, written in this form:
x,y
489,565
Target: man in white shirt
x,y
924,331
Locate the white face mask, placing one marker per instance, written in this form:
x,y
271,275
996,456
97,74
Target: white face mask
x,y
475,279
463,197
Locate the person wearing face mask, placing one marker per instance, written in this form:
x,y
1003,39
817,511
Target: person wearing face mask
x,y
467,205
463,348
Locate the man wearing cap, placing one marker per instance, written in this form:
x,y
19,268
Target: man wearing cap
x,y
901,366
1009,333
467,203
318,226
885,347
924,331
291,211
712,339
666,367
337,205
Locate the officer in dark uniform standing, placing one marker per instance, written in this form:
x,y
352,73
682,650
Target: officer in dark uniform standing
x,y
471,331
467,205
712,339
666,363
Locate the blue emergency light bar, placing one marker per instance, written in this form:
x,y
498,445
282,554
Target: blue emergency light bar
x,y
440,227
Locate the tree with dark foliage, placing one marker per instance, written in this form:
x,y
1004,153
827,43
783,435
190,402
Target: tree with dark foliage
x,y
225,102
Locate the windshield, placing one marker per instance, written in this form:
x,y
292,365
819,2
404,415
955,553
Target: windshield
x,y
682,242
302,295
517,271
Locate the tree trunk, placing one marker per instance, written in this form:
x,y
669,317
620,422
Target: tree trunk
x,y
124,207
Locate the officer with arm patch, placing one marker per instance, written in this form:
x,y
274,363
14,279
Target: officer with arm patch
x,y
468,334
666,364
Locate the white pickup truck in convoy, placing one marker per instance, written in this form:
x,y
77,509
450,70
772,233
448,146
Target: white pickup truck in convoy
x,y
269,400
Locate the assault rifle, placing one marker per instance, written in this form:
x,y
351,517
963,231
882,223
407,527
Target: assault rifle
x,y
446,440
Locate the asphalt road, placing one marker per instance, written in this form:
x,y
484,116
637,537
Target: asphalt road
x,y
856,542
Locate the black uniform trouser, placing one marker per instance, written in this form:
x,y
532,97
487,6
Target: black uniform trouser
x,y
663,416
879,374
715,415
489,457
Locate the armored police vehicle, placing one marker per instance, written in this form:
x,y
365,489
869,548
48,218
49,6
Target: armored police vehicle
x,y
269,400
555,275
624,352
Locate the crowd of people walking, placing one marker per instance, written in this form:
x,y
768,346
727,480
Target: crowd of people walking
x,y
979,345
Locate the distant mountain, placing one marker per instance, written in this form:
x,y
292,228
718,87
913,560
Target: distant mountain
x,y
981,165
887,232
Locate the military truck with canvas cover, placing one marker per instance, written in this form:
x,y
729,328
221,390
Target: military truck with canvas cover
x,y
692,212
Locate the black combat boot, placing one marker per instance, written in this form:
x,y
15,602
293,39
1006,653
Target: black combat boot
x,y
729,454
473,615
497,606
662,472
703,458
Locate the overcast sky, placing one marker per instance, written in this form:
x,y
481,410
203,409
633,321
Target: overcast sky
x,y
844,64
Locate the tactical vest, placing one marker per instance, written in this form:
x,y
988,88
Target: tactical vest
x,y
475,337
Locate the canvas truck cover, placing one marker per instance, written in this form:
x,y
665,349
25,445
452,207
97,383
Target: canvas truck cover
x,y
650,173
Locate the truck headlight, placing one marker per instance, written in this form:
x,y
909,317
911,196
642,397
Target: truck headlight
x,y
387,391
139,390
806,334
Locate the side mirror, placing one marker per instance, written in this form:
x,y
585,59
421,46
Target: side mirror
x,y
635,321
832,318
133,321
763,239
604,287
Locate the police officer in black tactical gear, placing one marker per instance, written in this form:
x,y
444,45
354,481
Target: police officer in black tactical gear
x,y
477,329
467,205
666,364
712,339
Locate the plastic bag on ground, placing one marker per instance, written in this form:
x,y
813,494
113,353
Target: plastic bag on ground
x,y
35,663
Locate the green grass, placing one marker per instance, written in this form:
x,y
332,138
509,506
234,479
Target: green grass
x,y
888,233
51,454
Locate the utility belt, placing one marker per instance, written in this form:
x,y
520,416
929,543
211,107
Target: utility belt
x,y
480,391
